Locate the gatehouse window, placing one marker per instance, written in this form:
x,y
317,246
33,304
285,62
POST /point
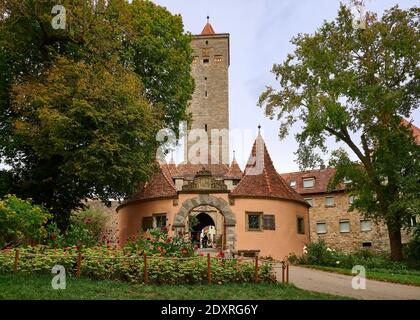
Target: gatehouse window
x,y
218,59
206,61
269,222
254,221
147,223
159,220
300,225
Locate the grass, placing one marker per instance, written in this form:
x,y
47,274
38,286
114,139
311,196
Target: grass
x,y
38,287
408,277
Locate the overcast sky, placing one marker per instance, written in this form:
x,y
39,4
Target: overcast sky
x,y
260,33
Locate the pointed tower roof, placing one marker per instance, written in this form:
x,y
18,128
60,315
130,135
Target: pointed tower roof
x,y
235,171
261,179
208,29
173,170
160,185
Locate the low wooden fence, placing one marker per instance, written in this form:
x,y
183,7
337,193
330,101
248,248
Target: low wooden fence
x,y
284,265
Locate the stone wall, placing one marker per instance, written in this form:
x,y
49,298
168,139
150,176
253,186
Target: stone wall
x,y
110,231
210,102
332,215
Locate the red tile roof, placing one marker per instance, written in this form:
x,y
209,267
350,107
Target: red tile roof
x,y
264,183
416,131
322,178
188,170
160,185
208,29
235,171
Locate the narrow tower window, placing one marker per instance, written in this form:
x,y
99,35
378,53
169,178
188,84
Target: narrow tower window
x,y
205,93
205,127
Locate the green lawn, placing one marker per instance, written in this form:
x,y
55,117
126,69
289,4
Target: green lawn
x,y
35,287
409,277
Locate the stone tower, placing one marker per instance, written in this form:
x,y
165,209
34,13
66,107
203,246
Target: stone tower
x,y
210,102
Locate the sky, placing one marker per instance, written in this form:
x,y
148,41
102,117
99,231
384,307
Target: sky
x,y
260,34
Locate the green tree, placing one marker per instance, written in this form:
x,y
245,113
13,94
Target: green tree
x,y
21,221
355,86
80,107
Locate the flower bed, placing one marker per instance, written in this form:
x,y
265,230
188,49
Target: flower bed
x,y
115,264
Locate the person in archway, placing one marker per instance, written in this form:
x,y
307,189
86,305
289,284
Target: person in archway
x,y
205,240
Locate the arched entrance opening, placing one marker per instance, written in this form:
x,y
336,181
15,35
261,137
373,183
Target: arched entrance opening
x,y
224,219
203,225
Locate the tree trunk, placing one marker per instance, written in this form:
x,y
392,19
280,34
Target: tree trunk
x,y
395,243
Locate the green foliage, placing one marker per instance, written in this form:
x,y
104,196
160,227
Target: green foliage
x,y
356,86
92,220
35,287
80,107
413,247
104,263
158,242
21,221
319,254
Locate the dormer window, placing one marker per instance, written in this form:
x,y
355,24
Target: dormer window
x,y
308,182
293,184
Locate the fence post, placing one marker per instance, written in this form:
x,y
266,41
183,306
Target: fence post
x,y
15,267
256,269
79,264
145,276
208,268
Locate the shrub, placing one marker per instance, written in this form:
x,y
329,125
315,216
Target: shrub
x,y
413,247
158,242
114,264
92,220
318,253
76,235
21,221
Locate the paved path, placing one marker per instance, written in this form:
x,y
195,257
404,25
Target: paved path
x,y
338,284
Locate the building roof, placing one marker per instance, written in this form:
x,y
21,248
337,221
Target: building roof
x,y
264,183
322,178
416,131
189,170
235,171
208,28
160,185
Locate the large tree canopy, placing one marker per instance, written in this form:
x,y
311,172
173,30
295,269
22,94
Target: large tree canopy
x,y
80,107
356,85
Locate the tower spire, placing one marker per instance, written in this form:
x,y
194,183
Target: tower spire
x,y
208,29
